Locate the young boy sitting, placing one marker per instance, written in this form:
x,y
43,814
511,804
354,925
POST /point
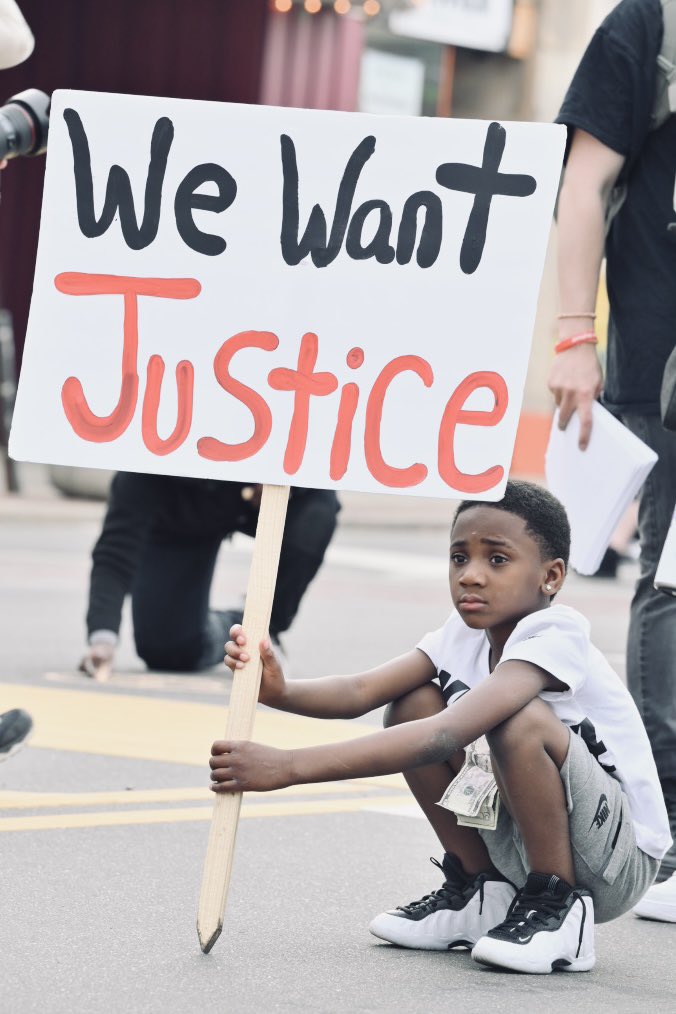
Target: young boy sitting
x,y
582,824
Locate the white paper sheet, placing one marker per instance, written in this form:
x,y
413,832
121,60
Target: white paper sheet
x,y
597,485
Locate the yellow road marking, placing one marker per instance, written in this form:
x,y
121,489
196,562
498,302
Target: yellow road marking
x,y
54,800
45,800
53,822
145,728
181,732
148,681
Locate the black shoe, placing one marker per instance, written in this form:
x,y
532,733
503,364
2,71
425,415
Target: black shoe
x,y
15,727
220,622
227,619
549,925
456,915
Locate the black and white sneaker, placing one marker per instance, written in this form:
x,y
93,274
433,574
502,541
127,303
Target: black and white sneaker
x,y
456,915
549,925
15,727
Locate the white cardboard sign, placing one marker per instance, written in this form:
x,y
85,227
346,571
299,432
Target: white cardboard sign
x,y
284,296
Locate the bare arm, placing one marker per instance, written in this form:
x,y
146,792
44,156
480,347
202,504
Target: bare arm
x,y
332,696
243,766
575,378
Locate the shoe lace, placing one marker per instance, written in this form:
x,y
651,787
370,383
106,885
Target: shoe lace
x,y
447,894
522,915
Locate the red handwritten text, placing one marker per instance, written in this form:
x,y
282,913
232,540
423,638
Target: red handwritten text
x,y
303,382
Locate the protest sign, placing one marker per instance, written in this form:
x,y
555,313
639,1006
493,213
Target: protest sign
x,y
282,296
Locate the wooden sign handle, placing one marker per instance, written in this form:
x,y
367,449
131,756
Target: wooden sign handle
x,y
243,700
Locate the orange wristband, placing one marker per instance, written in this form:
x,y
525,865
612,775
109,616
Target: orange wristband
x,y
584,338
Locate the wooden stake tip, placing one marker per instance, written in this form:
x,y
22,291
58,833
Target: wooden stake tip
x,y
206,945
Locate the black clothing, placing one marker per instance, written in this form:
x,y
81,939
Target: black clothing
x,y
160,540
611,97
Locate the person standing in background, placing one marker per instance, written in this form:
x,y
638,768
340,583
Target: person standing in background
x,y
616,140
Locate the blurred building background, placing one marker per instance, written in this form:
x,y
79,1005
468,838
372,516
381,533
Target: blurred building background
x,y
498,59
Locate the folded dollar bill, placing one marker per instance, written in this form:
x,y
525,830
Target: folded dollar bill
x,y
473,784
487,818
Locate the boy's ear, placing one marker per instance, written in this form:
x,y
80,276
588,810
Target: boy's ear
x,y
554,576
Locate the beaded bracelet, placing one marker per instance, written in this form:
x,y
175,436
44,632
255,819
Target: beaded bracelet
x,y
584,338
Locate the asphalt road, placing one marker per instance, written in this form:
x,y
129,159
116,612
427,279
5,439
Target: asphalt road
x,y
104,816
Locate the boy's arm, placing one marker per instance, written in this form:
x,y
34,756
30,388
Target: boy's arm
x,y
332,696
244,766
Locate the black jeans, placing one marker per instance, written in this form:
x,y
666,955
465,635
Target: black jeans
x,y
651,649
174,628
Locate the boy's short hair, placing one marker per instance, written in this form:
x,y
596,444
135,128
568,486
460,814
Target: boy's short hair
x,y
545,516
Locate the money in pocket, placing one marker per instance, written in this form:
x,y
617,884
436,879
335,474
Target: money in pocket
x,y
471,787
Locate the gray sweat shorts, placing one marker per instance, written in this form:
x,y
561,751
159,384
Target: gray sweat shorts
x,y
608,862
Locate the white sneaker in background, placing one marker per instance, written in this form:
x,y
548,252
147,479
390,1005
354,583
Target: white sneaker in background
x,y
659,902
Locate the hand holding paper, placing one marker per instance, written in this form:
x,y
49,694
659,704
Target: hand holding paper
x,y
596,485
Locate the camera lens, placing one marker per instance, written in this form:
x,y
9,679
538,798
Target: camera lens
x,y
24,124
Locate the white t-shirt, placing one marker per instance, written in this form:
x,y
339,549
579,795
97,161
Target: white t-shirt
x,y
597,706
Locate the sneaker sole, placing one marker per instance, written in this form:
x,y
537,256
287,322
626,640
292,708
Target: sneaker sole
x,y
397,931
660,911
495,957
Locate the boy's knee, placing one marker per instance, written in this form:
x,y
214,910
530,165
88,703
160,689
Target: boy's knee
x,y
534,724
507,734
421,703
519,726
